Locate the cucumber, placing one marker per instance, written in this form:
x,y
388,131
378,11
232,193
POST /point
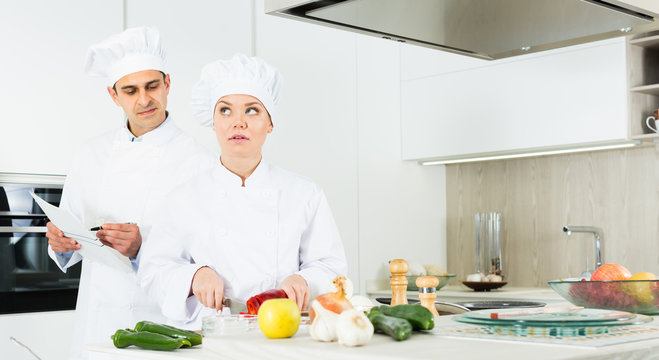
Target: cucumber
x,y
420,317
399,329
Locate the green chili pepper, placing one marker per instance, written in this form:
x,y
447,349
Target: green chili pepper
x,y
147,340
193,337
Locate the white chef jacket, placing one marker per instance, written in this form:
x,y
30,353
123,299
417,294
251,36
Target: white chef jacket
x,y
118,178
254,236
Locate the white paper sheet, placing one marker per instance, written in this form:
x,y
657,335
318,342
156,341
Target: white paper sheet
x,y
90,247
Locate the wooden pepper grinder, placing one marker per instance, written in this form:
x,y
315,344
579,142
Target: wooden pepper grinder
x,y
398,269
427,292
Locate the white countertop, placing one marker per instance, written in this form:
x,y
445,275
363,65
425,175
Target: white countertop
x,y
255,345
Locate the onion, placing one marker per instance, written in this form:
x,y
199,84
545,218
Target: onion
x,y
335,302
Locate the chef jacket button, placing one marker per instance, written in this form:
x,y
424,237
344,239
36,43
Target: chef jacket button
x,y
270,234
267,194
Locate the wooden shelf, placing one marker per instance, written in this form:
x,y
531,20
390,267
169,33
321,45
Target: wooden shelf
x,y
646,42
652,89
644,137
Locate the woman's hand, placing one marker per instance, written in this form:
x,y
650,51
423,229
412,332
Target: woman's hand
x,y
296,288
208,287
58,242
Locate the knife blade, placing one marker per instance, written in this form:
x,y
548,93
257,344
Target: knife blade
x,y
235,306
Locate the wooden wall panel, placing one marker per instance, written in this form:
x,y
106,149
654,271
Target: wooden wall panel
x,y
615,190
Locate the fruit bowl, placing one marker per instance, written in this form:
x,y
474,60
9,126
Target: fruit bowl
x,y
443,280
637,296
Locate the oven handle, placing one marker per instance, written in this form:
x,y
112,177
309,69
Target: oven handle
x,y
23,229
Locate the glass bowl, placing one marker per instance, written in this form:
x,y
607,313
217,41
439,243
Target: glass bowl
x,y
218,325
443,280
637,296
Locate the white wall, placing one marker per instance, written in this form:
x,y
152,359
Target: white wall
x,y
402,210
48,106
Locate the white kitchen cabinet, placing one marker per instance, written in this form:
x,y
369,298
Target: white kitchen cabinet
x,y
563,97
48,106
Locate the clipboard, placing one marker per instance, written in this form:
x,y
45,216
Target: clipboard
x,y
91,247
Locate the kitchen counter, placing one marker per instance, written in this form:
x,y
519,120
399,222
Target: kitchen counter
x,y
255,345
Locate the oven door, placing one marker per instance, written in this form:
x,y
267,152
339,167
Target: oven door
x,y
29,280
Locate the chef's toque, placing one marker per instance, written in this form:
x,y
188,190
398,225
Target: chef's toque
x,y
135,49
240,75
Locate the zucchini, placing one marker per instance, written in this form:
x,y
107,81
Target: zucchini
x,y
420,317
146,340
193,337
399,329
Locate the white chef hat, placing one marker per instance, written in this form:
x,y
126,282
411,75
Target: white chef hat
x,y
240,75
133,50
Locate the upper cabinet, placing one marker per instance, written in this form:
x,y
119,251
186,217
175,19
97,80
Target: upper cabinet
x,y
453,106
643,70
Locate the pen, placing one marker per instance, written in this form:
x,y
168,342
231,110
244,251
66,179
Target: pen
x,y
100,227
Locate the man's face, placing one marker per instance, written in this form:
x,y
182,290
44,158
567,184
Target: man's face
x,y
143,96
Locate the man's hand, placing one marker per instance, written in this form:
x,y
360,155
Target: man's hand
x,y
296,288
208,287
58,242
125,238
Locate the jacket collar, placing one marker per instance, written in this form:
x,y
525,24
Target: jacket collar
x,y
259,178
158,136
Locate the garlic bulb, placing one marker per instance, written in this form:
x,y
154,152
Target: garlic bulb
x,y
323,327
474,277
415,269
354,328
359,300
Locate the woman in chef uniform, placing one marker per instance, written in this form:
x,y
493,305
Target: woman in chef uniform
x,y
246,226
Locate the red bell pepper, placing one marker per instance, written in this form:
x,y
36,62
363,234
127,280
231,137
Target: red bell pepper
x,y
254,303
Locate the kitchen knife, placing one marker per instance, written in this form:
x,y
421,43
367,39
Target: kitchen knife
x,y
236,306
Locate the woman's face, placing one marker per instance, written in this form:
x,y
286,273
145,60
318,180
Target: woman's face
x,y
241,124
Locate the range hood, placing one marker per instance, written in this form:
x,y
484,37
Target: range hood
x,y
486,29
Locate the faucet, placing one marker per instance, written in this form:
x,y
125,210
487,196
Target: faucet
x,y
598,242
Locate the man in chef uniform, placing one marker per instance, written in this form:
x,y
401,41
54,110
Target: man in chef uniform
x,y
249,226
119,179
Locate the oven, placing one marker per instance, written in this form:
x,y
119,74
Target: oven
x,y
30,281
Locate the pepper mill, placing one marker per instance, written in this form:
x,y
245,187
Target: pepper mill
x,y
398,269
427,292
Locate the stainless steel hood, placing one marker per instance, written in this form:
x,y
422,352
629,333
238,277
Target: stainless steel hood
x,y
487,29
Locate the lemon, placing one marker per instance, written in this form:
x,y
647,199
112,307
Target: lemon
x,y
279,318
641,290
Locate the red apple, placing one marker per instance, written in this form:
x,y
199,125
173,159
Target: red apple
x,y
611,272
